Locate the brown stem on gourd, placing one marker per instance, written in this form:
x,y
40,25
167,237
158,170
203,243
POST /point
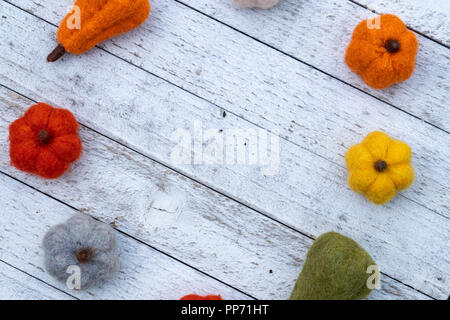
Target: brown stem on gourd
x,y
44,137
57,53
380,165
392,46
84,254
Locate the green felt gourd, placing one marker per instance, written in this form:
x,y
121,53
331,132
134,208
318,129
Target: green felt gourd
x,y
335,269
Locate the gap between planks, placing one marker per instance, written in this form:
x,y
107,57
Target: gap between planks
x,y
139,241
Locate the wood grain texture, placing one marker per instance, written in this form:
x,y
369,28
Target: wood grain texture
x,y
205,230
144,273
310,109
318,33
431,18
146,118
17,285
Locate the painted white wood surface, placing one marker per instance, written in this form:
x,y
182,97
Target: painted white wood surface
x,y
17,285
219,241
144,272
148,129
431,18
310,109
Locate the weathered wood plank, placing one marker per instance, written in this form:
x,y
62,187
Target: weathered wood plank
x,y
315,32
123,112
164,209
174,214
144,272
254,82
431,18
16,285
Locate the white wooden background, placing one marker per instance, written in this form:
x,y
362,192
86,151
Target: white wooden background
x,y
226,229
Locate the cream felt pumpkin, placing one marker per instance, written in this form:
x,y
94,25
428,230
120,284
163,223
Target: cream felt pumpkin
x,y
262,4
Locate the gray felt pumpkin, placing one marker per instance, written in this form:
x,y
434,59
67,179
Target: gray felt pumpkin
x,y
84,244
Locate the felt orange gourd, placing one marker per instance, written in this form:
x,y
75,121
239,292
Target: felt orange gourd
x,y
93,21
197,297
379,167
382,51
44,141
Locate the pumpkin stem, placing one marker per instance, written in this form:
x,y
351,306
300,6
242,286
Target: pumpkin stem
x,y
392,46
57,53
84,254
44,137
380,165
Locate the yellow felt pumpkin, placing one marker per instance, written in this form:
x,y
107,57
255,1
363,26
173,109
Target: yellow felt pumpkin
x,y
379,167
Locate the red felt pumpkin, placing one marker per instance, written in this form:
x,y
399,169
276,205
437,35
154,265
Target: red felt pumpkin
x,y
197,297
44,141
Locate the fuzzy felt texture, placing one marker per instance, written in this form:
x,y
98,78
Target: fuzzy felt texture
x,y
101,20
382,56
84,242
379,167
335,269
44,141
197,297
263,4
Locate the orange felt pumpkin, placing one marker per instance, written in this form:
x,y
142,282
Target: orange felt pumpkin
x,y
44,141
93,21
382,51
197,297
